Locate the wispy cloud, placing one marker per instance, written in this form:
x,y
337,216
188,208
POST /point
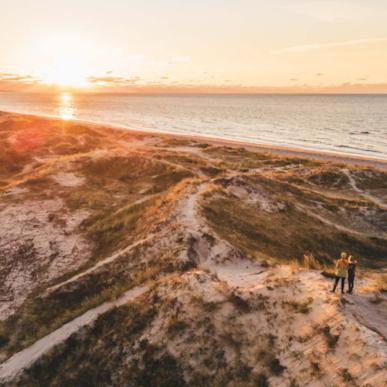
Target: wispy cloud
x,y
113,81
18,82
9,77
106,82
185,58
326,46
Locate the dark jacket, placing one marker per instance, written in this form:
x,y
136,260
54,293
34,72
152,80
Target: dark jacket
x,y
351,269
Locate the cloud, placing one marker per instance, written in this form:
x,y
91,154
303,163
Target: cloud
x,y
186,58
316,47
112,81
108,83
18,82
8,77
319,75
176,87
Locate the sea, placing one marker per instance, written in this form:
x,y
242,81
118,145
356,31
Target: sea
x,y
345,124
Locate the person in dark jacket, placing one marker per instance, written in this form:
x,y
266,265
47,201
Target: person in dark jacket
x,y
351,273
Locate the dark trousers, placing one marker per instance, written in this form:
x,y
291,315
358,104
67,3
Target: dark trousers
x,y
337,279
351,282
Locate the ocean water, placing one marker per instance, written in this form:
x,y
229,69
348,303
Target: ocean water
x,y
348,124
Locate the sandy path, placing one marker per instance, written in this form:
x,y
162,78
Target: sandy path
x,y
28,356
190,216
103,262
203,249
362,193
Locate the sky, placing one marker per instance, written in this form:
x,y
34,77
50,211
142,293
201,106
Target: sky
x,y
193,46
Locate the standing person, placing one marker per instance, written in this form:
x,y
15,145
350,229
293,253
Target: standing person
x,y
342,271
351,273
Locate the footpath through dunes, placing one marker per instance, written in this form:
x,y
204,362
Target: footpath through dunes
x,y
225,247
28,356
274,327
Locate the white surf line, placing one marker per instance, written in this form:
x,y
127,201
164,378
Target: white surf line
x,y
103,262
28,356
362,193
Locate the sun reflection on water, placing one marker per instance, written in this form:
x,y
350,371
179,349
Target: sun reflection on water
x,y
66,106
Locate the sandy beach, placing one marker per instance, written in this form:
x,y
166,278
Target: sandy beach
x,y
278,150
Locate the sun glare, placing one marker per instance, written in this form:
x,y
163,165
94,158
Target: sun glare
x,y
66,106
68,73
68,55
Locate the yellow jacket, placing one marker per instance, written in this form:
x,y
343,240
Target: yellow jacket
x,y
342,268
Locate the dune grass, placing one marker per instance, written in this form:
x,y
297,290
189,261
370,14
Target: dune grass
x,y
288,234
40,316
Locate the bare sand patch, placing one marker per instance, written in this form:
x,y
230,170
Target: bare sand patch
x,y
15,191
69,179
39,242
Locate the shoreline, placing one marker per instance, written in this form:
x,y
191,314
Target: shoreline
x,y
325,156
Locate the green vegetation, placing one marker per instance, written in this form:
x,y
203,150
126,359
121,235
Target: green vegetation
x,y
244,160
370,179
287,231
331,178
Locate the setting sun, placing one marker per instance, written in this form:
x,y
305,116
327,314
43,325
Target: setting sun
x,y
68,73
68,55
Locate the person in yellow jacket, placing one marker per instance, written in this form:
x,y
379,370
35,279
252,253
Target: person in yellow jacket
x,y
342,271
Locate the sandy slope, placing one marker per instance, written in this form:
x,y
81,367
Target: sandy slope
x,y
30,241
289,305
